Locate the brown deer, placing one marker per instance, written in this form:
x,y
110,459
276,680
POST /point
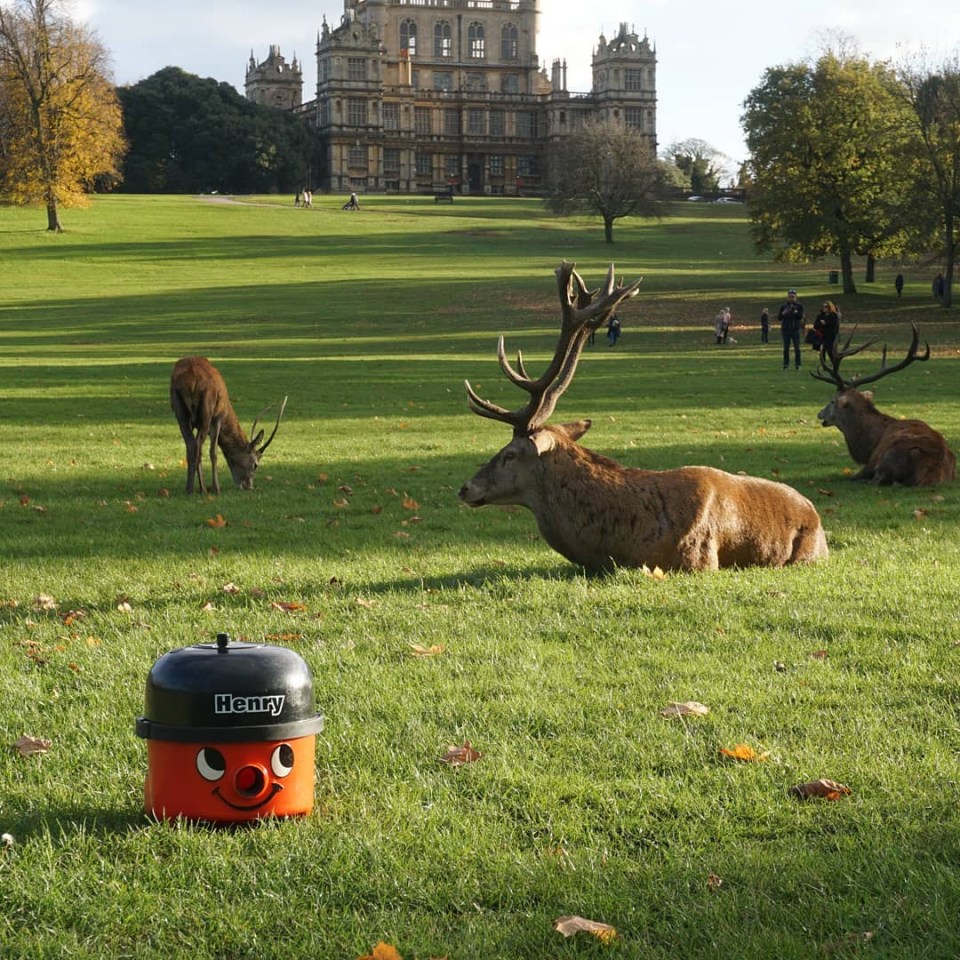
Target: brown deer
x,y
908,452
601,515
202,407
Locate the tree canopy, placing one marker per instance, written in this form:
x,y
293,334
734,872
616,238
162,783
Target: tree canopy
x,y
60,123
193,135
700,164
606,169
825,169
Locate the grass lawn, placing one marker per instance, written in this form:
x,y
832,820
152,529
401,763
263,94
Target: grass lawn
x,y
586,801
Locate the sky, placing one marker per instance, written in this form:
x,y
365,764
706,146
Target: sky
x,y
709,55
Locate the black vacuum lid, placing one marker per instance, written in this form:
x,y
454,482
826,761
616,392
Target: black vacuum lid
x,y
229,691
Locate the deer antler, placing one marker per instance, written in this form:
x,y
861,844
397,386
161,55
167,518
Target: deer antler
x,y
832,375
256,420
581,316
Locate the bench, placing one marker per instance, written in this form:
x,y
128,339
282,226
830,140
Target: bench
x,y
445,197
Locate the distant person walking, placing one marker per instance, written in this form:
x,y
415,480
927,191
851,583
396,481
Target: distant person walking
x,y
898,284
790,316
613,330
938,286
764,325
828,323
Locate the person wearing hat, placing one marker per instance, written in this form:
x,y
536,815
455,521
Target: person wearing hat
x,y
790,316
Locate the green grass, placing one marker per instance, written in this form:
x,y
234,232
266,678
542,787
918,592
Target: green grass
x,y
585,801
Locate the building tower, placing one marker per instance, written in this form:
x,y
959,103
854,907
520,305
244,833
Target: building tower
x,y
274,83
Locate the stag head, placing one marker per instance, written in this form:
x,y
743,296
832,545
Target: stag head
x,y
508,477
245,460
832,414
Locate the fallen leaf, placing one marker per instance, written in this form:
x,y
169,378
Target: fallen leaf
x,y
230,587
382,951
7,840
44,602
163,492
345,488
24,499
431,651
919,514
208,607
823,788
217,521
410,504
819,655
689,708
568,926
341,502
28,746
714,882
283,637
745,753
364,602
826,493
655,574
289,607
124,606
457,756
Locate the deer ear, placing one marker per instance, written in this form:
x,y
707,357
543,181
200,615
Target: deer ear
x,y
574,430
255,442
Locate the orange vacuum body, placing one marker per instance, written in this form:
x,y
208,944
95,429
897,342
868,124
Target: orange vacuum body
x,y
231,730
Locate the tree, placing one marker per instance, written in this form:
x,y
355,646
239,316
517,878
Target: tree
x,y
606,169
60,123
700,163
824,164
934,101
192,135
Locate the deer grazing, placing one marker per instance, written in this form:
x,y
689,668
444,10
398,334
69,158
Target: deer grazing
x,y
601,515
908,452
202,407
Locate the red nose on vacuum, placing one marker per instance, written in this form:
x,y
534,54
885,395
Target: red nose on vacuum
x,y
231,731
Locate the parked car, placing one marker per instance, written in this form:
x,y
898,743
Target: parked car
x,y
727,200
693,199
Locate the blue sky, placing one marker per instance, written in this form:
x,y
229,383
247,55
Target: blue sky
x,y
709,55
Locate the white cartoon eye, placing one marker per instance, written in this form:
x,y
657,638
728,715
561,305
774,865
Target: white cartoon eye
x,y
281,760
210,764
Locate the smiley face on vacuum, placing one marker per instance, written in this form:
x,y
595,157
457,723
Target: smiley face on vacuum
x,y
243,782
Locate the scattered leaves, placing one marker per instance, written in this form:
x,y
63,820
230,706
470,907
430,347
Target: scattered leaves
x,y
382,951
823,788
689,708
568,926
28,746
457,756
418,651
745,754
217,521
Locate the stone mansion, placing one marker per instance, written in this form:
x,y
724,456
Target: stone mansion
x,y
424,96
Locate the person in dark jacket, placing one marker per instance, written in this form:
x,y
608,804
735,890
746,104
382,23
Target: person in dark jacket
x,y
790,316
828,323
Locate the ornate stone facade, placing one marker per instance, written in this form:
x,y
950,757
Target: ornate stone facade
x,y
423,96
274,83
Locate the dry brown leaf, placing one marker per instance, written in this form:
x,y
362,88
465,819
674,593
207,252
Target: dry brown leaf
x,y
919,514
217,521
655,574
823,788
364,602
44,602
6,840
714,882
568,926
292,607
431,651
208,608
341,503
124,606
410,504
382,951
457,756
689,708
230,587
28,746
819,655
745,753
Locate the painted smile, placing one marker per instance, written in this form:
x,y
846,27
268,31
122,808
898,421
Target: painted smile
x,y
274,790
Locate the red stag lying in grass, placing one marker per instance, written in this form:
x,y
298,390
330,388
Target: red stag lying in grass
x,y
601,515
202,407
908,452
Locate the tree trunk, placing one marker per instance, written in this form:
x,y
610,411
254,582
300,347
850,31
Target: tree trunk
x,y
53,217
871,272
846,269
951,251
608,229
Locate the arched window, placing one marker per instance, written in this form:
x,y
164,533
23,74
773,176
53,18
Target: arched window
x,y
475,41
509,42
408,37
442,46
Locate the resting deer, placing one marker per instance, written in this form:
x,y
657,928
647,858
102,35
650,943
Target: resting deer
x,y
907,452
601,515
202,407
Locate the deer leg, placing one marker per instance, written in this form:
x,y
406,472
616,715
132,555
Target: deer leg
x,y
214,444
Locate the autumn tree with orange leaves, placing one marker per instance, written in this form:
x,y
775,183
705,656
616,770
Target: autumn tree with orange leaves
x,y
61,128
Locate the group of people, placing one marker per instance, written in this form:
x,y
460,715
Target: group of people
x,y
793,329
304,199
